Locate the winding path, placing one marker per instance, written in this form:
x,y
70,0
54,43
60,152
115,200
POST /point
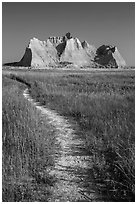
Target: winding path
x,y
71,164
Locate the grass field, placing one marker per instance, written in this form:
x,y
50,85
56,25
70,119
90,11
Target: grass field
x,y
26,150
103,105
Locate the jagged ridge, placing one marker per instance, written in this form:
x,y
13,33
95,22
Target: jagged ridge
x,y
66,49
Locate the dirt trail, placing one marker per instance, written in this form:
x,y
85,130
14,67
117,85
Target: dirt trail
x,y
73,182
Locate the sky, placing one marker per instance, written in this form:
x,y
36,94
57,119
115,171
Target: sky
x,y
109,23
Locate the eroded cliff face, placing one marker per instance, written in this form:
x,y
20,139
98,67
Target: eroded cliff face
x,y
90,49
75,53
119,59
57,50
109,56
25,61
60,50
43,53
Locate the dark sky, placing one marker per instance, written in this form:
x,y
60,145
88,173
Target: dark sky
x,y
98,23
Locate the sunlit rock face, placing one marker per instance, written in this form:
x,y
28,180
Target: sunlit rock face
x,y
43,53
109,56
90,49
55,40
119,59
65,50
75,53
55,50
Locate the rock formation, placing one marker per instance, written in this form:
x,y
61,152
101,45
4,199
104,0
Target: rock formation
x,y
25,61
75,53
68,50
90,49
43,53
56,40
119,59
109,56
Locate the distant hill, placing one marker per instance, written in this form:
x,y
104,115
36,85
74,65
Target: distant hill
x,y
66,50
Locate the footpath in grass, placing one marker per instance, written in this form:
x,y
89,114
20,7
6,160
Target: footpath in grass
x,y
28,145
103,105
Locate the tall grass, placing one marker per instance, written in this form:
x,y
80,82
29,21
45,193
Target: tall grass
x,y
28,142
102,103
103,106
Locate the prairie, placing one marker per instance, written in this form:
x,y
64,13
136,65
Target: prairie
x,y
26,150
101,102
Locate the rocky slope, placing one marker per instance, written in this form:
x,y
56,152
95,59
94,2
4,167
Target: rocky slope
x,y
109,56
68,50
43,53
75,53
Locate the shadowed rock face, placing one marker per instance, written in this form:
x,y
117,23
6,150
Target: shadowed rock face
x,y
25,61
57,50
27,58
60,48
109,56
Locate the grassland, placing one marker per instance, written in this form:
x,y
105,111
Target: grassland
x,y
26,149
102,103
